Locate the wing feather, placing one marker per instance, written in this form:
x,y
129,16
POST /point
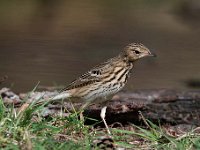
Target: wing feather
x,y
92,76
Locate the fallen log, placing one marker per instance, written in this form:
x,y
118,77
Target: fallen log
x,y
163,105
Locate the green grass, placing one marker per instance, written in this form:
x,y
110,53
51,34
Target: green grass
x,y
29,130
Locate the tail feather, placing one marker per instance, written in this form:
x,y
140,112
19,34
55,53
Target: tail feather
x,y
62,95
59,96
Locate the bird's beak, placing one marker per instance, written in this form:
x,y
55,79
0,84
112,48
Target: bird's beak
x,y
153,55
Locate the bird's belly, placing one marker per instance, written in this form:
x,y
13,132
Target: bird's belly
x,y
104,92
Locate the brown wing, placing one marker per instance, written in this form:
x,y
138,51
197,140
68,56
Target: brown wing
x,y
94,75
85,79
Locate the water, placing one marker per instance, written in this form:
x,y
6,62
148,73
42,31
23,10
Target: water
x,y
56,41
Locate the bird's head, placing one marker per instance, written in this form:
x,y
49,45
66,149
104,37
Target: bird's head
x,y
135,51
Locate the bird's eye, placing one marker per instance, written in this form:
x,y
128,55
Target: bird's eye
x,y
137,52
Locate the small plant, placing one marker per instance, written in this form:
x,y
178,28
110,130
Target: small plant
x,y
154,137
27,129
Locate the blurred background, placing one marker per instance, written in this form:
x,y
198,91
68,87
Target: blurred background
x,y
56,41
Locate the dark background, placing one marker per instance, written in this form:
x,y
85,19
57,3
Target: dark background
x,y
55,41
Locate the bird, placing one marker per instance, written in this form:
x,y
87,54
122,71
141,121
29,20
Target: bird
x,y
102,82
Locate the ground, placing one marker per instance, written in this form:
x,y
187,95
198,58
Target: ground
x,y
28,128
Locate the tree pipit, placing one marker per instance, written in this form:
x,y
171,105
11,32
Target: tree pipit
x,y
99,84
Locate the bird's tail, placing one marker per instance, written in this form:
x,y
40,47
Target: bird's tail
x,y
57,97
42,101
62,95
